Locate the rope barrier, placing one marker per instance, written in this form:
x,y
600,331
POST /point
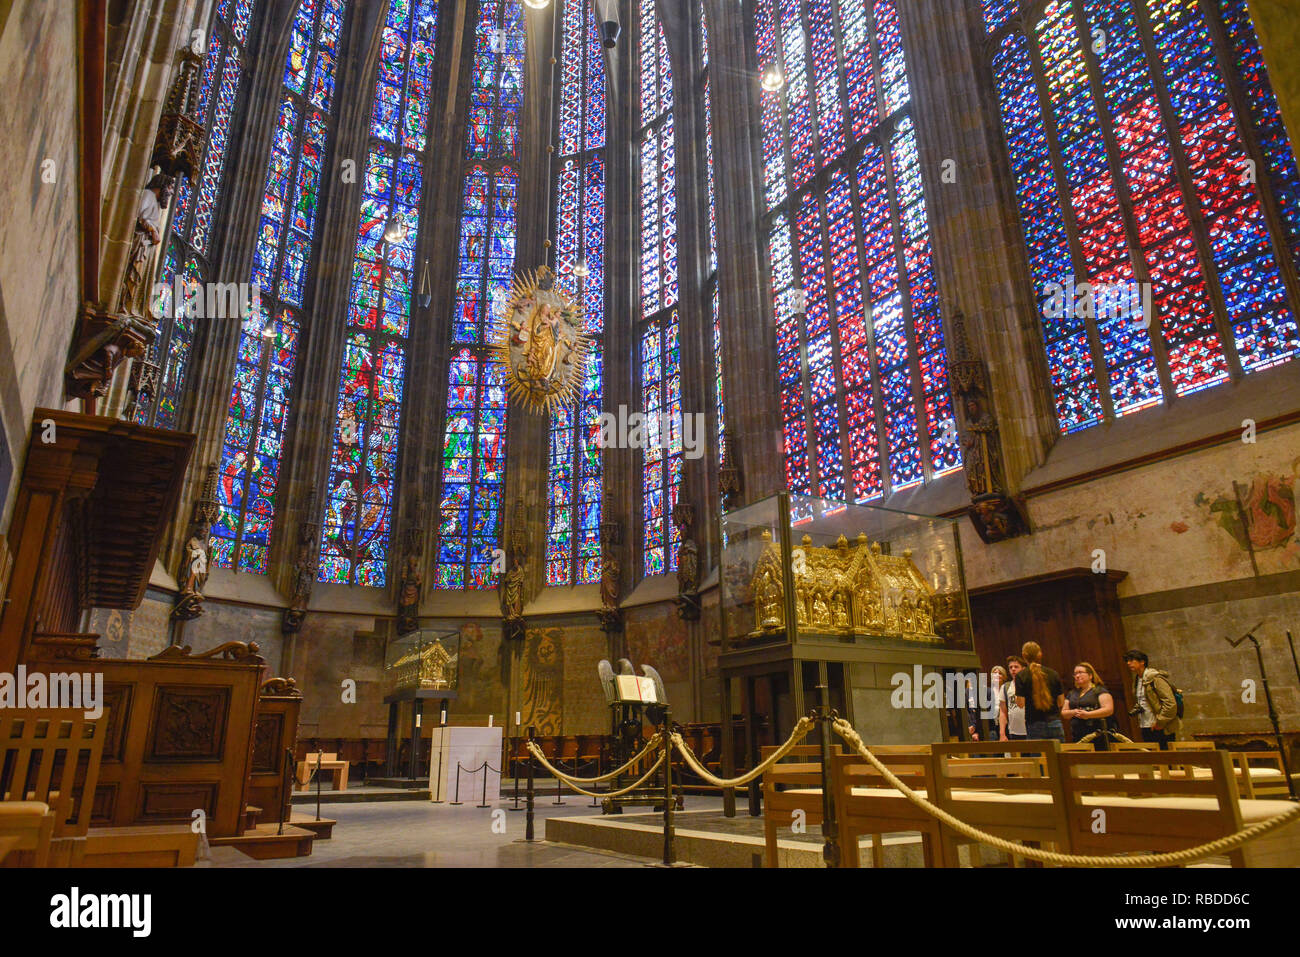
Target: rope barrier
x,y
651,744
1212,849
561,776
801,730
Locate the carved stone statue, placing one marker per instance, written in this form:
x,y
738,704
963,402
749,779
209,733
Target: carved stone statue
x,y
611,577
193,572
146,236
408,597
995,513
512,594
305,566
189,601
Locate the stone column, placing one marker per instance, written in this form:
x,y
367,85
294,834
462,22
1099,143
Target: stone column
x,y
972,208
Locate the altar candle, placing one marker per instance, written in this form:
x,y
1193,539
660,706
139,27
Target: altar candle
x,y
516,719
489,721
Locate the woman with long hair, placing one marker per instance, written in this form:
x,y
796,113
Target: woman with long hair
x,y
1090,707
1039,692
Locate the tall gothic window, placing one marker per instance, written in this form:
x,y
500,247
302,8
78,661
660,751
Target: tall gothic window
x,y
660,351
474,450
363,466
864,391
573,537
711,285
268,342
188,250
1158,195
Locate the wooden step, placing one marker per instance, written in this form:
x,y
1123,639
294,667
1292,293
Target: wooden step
x,y
251,814
323,829
163,845
264,843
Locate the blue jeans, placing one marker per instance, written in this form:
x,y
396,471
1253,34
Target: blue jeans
x,y
1051,728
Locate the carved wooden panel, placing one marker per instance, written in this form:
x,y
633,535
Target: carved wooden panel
x,y
117,705
105,803
268,747
162,802
188,723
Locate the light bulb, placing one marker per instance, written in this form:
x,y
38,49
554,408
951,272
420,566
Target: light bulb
x,y
538,4
772,79
580,268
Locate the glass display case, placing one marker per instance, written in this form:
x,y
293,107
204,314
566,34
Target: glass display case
x,y
424,663
797,569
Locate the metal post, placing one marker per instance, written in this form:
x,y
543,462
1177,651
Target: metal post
x,y
286,782
528,815
670,849
485,777
515,758
458,800
830,828
438,777
559,785
318,760
1294,660
1277,728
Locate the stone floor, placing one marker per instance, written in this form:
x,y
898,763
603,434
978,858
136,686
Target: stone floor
x,y
423,834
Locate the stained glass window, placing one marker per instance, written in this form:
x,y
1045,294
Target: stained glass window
x,y
474,448
660,352
573,511
712,283
865,404
268,342
363,466
187,262
1156,205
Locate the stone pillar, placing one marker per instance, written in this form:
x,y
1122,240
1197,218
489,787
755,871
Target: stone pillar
x,y
1275,24
956,114
143,54
748,331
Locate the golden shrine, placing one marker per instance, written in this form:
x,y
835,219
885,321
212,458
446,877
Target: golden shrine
x,y
425,667
845,589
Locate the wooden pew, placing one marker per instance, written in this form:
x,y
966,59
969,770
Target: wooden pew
x,y
792,784
49,759
276,732
1008,798
1182,810
866,804
178,738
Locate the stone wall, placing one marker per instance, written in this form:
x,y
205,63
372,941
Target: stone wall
x,y
38,245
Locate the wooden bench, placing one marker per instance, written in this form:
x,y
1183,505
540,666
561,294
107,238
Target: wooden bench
x,y
1175,811
50,759
326,762
866,804
792,784
1012,798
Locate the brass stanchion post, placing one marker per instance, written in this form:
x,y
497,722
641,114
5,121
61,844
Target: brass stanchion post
x,y
830,828
670,850
528,814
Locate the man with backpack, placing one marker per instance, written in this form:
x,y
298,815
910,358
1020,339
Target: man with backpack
x,y
1156,701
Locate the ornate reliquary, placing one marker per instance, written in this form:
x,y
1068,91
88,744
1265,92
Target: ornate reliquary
x,y
427,668
847,589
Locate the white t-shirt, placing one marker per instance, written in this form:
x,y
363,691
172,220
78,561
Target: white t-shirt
x,y
1015,713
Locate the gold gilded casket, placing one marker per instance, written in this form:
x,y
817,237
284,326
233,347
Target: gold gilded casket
x,y
850,588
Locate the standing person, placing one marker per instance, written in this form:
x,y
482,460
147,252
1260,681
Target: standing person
x,y
1155,706
979,725
1039,690
1089,706
1011,717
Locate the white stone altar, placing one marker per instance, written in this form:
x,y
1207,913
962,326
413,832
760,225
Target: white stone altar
x,y
471,747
